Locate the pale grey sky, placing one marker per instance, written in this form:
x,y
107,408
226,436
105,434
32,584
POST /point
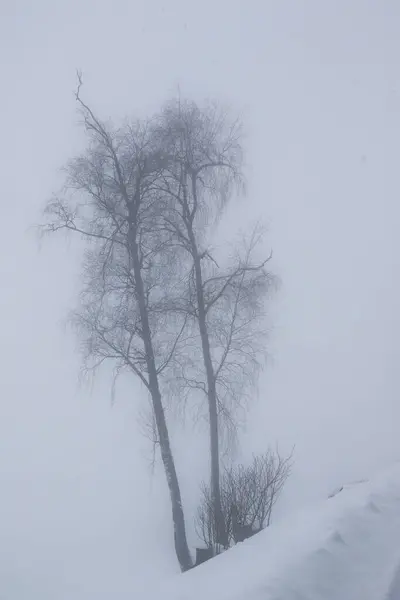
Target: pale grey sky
x,y
318,84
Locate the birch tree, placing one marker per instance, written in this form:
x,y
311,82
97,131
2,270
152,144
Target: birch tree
x,y
202,169
113,201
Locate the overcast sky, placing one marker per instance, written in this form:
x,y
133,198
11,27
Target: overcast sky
x,y
318,85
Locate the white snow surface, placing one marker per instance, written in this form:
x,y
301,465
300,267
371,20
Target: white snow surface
x,y
346,549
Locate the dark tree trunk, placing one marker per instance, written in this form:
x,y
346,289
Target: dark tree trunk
x,y
221,534
180,540
202,555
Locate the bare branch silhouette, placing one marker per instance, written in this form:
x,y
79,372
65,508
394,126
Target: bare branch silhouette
x,y
111,200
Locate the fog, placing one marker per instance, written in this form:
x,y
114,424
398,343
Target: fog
x,y
317,84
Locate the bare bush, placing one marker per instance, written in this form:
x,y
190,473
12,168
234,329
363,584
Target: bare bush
x,y
248,495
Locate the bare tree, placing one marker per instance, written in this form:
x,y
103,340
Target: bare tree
x,y
202,153
111,199
248,494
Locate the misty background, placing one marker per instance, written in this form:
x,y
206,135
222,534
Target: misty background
x,y
318,87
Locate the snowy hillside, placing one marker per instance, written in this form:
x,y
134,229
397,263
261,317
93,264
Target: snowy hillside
x,y
346,549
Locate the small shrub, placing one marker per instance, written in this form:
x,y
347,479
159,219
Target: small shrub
x,y
248,495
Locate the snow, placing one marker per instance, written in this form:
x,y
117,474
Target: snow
x,y
346,549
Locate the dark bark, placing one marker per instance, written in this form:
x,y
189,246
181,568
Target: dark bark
x,y
202,555
188,215
222,537
180,539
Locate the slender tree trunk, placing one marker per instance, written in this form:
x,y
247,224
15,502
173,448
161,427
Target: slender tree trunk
x,y
222,537
181,545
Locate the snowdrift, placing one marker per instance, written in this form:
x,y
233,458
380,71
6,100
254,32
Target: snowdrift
x,y
346,549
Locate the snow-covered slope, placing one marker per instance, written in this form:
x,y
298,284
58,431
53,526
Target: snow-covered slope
x,y
346,549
